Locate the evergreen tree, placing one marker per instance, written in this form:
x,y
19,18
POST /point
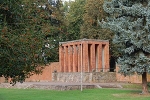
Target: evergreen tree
x,y
130,20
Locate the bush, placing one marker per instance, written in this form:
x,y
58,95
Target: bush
x,y
148,84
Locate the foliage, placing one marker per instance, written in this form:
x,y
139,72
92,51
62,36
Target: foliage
x,y
130,21
56,31
93,11
148,84
74,18
23,27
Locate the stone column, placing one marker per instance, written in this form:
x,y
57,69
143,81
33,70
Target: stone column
x,y
70,58
79,57
61,58
92,59
106,49
99,57
66,59
85,56
75,58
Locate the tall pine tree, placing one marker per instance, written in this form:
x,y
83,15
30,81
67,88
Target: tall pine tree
x,y
130,20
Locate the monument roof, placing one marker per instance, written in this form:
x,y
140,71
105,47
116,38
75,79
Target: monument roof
x,y
84,39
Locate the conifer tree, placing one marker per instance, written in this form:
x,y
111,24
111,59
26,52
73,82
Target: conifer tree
x,y
130,20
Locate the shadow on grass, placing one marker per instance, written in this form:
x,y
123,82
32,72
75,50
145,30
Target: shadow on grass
x,y
132,93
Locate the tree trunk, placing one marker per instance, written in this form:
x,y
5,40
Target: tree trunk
x,y
144,83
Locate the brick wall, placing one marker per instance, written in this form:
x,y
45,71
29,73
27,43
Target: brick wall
x,y
88,77
45,76
47,73
130,79
2,80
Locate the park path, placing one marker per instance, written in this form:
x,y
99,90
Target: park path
x,y
61,85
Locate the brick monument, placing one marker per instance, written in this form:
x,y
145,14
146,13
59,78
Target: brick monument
x,y
90,54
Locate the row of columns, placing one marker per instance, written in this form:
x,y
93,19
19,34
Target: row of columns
x,y
89,56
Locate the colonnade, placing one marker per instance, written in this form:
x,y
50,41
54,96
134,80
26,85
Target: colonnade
x,y
86,55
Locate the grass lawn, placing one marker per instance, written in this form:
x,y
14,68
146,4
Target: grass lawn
x,y
87,94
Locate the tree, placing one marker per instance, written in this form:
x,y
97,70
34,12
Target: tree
x,y
130,21
90,27
74,19
56,31
93,11
23,27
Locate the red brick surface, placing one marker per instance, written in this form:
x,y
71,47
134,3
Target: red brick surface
x,y
44,77
91,52
131,79
92,57
47,73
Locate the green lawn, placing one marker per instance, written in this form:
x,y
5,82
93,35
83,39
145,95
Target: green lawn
x,y
87,94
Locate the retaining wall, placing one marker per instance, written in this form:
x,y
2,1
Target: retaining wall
x,y
86,77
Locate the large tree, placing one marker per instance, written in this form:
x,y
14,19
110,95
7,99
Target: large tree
x,y
74,18
90,28
23,27
130,20
57,30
